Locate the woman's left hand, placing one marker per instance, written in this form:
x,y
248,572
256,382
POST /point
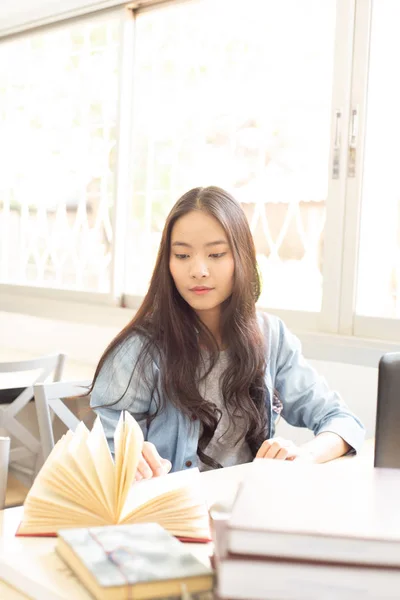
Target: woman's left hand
x,y
282,449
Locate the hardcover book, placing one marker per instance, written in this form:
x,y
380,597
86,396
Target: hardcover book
x,y
312,512
140,561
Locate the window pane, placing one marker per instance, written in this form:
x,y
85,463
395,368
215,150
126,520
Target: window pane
x,y
379,256
58,101
239,98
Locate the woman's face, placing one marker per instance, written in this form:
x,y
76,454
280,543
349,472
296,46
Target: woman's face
x,y
201,262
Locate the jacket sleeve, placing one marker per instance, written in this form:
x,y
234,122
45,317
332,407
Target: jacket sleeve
x,y
121,385
306,397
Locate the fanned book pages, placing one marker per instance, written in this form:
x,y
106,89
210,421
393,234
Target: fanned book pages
x,y
80,485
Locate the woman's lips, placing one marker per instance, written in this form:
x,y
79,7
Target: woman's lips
x,y
200,291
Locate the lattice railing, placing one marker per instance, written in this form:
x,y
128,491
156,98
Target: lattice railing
x,y
58,107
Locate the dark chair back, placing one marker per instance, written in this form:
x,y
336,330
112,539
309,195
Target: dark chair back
x,y
387,430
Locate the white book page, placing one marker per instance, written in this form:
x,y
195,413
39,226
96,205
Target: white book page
x,y
145,490
128,441
102,460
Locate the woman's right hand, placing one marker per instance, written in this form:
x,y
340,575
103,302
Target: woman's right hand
x,y
151,464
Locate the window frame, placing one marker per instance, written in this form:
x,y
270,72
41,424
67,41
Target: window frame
x,y
351,323
327,319
337,319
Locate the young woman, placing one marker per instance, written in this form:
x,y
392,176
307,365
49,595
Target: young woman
x,y
202,372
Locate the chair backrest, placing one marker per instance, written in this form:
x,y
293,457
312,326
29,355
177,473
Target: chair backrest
x,y
387,438
44,367
60,399
47,364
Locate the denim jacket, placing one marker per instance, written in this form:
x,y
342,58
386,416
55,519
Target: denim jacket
x,y
294,389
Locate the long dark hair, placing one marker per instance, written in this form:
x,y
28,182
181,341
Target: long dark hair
x,y
171,330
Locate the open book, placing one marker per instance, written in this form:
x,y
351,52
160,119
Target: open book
x,y
80,485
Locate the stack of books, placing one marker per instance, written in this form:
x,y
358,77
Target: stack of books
x,y
308,532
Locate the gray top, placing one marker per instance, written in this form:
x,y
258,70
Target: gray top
x,y
224,446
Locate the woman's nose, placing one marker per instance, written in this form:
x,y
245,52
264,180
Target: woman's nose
x,y
198,269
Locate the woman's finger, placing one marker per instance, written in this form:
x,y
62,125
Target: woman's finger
x,y
282,454
293,452
154,460
273,450
267,444
143,469
263,449
166,464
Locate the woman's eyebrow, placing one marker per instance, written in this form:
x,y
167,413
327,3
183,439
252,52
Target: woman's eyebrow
x,y
216,243
186,245
181,244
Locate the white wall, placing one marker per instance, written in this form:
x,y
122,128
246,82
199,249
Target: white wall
x,y
21,15
358,387
24,336
17,15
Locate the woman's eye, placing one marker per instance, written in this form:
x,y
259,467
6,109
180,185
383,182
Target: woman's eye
x,y
181,256
218,255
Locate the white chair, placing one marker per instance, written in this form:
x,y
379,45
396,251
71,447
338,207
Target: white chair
x,y
60,399
44,367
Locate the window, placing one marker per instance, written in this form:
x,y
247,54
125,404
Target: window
x,y
289,105
379,259
58,109
247,107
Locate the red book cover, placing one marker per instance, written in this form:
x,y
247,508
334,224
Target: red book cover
x,y
186,540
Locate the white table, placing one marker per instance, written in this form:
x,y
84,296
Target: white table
x,y
37,556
